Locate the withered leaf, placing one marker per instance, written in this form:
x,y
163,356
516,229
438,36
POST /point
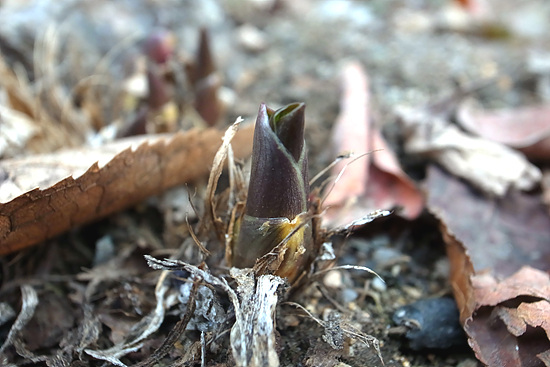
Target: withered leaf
x,y
73,190
525,128
499,256
461,271
515,332
490,166
530,282
500,235
378,183
526,314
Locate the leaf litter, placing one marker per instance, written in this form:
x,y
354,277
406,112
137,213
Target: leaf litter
x,y
384,185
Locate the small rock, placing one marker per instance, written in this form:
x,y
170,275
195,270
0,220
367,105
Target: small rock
x,y
251,38
378,284
349,295
104,250
431,323
333,279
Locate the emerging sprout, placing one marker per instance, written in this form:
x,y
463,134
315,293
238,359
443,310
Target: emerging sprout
x,y
275,219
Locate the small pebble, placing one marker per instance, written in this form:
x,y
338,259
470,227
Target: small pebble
x,y
6,313
378,284
349,295
104,250
251,38
333,279
432,323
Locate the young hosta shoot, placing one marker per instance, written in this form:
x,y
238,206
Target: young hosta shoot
x,y
275,219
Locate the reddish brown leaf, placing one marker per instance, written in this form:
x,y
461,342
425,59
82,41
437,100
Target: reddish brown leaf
x,y
93,191
526,129
510,335
377,181
526,282
490,166
504,304
500,235
461,272
527,314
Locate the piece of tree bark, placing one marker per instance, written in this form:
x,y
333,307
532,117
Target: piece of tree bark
x,y
59,191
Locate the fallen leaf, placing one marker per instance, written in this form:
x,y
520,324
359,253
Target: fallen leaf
x,y
526,129
461,271
500,258
514,335
527,314
375,181
500,234
73,190
527,281
490,166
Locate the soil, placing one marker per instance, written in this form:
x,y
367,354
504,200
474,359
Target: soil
x,y
413,51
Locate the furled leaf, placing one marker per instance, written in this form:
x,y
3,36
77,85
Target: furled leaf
x,y
276,219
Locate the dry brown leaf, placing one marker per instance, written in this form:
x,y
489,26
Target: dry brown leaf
x,y
526,128
500,235
527,281
516,330
504,303
461,271
490,166
377,181
527,314
75,190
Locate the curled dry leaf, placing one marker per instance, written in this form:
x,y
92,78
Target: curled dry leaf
x,y
499,256
490,166
526,129
72,189
378,183
519,332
